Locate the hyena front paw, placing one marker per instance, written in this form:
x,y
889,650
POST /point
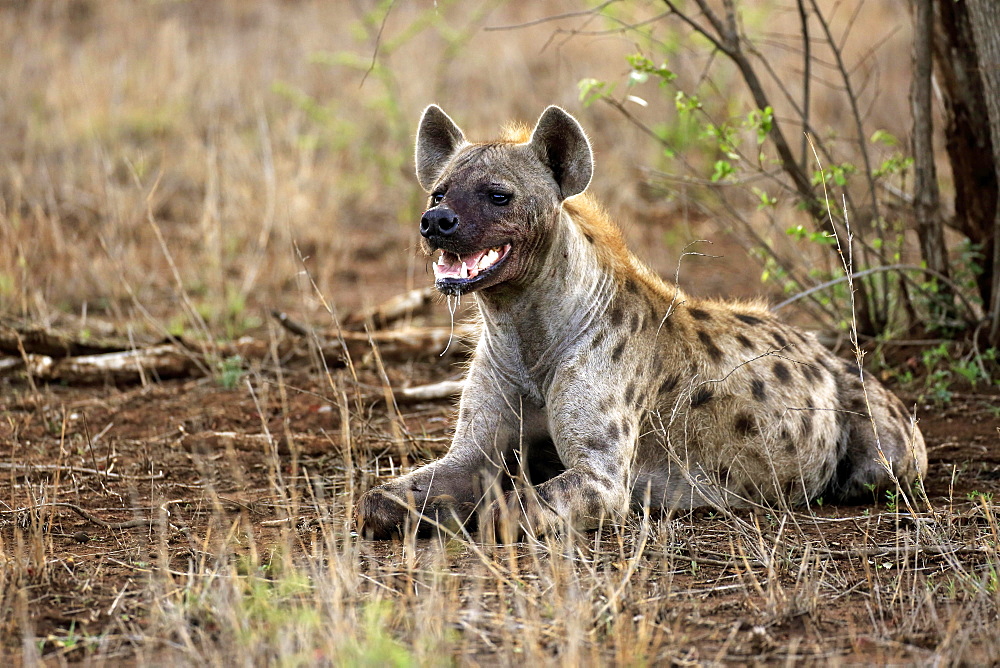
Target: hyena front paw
x,y
381,515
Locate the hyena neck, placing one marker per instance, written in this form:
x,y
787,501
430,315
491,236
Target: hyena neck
x,y
557,310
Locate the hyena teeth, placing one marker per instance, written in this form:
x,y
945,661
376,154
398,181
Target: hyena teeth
x,y
463,272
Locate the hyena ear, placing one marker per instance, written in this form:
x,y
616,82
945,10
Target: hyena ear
x,y
561,143
437,139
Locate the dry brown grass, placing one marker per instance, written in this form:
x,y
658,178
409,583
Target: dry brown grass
x,y
168,163
252,133
249,557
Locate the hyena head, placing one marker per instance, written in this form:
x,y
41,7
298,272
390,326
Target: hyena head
x,y
492,205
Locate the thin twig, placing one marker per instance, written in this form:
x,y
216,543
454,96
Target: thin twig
x,y
874,270
28,468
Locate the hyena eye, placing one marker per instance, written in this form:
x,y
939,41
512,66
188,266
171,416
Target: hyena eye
x,y
436,198
500,199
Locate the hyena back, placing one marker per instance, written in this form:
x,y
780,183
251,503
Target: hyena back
x,y
596,385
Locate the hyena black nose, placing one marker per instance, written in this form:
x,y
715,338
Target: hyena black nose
x,y
439,221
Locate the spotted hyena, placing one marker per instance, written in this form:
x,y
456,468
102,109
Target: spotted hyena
x,y
596,385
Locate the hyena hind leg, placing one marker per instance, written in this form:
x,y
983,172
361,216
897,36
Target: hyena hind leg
x,y
862,475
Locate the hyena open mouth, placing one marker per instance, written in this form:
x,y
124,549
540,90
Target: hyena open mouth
x,y
457,274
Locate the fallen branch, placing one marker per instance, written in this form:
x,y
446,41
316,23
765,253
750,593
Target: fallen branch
x,y
93,519
185,359
17,337
165,361
443,390
29,468
395,344
399,307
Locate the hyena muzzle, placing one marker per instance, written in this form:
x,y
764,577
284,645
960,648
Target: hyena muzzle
x,y
596,386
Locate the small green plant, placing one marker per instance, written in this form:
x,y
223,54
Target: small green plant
x,y
230,372
945,366
891,500
980,497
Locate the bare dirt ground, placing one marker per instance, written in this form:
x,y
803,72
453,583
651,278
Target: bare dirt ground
x,y
106,491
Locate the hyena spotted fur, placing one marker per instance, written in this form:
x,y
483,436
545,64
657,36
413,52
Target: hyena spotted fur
x,y
596,385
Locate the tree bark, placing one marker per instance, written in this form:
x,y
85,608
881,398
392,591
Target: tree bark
x,y
927,200
985,15
967,137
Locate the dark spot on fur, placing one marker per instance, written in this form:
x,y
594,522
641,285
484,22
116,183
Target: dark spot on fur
x,y
806,417
701,396
811,373
597,340
757,389
631,287
799,335
710,347
744,341
851,368
615,316
654,316
749,319
626,428
668,384
636,322
700,314
781,341
781,372
605,404
613,433
745,425
597,445
826,365
630,392
588,237
786,439
616,354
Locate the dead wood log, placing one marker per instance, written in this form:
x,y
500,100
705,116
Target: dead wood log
x,y
393,344
408,343
49,354
18,337
443,390
164,361
187,359
397,308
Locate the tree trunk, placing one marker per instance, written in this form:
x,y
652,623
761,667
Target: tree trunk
x,y
985,15
967,137
927,200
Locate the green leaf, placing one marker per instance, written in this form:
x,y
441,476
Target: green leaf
x,y
722,169
883,137
593,89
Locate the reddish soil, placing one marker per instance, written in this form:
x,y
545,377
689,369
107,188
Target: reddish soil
x,y
168,442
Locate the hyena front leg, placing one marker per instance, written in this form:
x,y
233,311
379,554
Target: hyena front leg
x,y
451,488
597,447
